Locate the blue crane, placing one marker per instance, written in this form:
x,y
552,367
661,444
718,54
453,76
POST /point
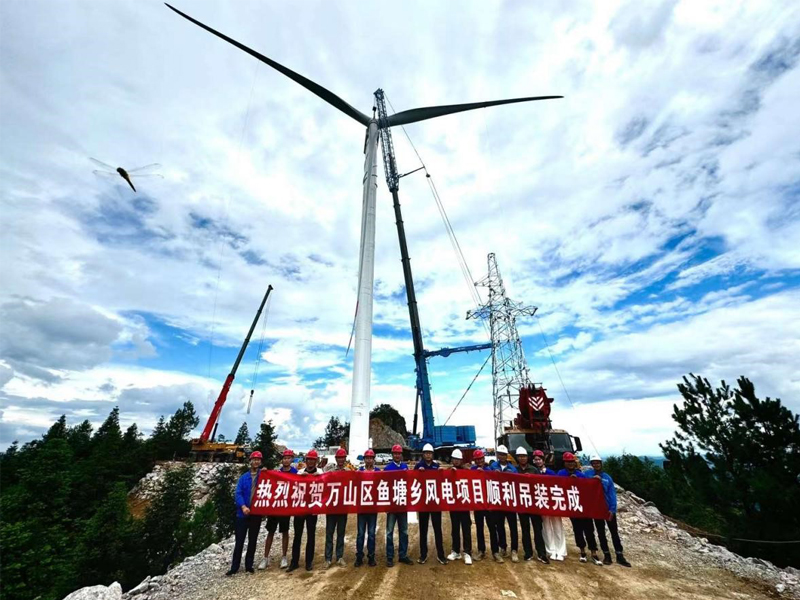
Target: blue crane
x,y
437,435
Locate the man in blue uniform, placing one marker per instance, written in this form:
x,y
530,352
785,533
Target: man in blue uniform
x,y
309,522
367,522
427,463
582,528
246,525
611,520
460,524
400,518
526,520
279,523
484,516
499,518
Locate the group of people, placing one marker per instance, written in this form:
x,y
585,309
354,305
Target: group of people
x,y
547,543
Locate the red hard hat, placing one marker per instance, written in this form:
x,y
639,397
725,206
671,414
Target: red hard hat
x,y
256,454
341,452
568,456
397,448
478,454
538,453
312,454
288,452
370,452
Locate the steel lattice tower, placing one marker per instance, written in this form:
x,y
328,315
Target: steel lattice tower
x,y
509,368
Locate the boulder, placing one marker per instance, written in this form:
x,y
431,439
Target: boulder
x,y
97,592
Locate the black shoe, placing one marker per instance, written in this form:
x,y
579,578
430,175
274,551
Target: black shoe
x,y
250,570
442,560
422,560
229,573
359,562
606,558
528,557
389,562
621,561
407,561
292,567
309,567
543,559
371,562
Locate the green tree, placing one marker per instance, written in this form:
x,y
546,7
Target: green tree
x,y
265,443
336,432
223,499
243,435
107,542
390,417
164,531
740,456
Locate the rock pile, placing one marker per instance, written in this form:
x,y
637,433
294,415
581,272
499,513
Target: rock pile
x,y
203,484
640,516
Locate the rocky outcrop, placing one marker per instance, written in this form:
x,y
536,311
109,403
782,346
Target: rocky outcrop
x,y
203,485
383,437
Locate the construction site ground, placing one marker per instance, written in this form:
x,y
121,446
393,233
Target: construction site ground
x,y
661,569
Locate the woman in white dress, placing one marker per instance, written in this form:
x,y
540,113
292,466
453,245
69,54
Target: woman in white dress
x,y
554,541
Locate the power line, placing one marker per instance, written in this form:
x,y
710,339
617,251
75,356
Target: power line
x,y
468,388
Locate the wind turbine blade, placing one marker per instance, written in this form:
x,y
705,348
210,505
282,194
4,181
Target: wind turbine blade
x,y
312,87
431,112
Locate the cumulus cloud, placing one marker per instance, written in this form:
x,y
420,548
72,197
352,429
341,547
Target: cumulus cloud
x,y
657,200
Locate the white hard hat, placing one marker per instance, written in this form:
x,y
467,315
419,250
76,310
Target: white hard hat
x,y
501,450
456,454
522,450
595,457
427,448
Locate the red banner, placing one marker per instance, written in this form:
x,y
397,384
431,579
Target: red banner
x,y
435,490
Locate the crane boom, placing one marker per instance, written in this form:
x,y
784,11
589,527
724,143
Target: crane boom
x,y
223,395
430,432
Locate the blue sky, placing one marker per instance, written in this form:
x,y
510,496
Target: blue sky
x,y
653,214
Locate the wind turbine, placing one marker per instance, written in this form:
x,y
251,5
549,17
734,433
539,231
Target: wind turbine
x,y
362,347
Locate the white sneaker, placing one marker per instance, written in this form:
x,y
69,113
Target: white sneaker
x,y
263,563
583,558
327,564
514,557
284,562
341,562
467,559
497,558
454,556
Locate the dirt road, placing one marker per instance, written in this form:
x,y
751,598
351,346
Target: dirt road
x,y
662,570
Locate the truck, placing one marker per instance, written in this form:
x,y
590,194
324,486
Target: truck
x,y
533,430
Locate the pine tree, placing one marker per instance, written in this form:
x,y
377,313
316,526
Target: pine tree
x,y
265,443
223,499
739,455
243,436
336,432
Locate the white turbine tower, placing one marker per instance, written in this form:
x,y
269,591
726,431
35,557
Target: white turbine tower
x,y
362,353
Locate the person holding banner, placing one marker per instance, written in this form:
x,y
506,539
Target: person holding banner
x,y
460,524
552,528
336,523
281,523
526,519
427,463
400,518
499,518
246,525
582,528
484,516
610,494
367,522
307,521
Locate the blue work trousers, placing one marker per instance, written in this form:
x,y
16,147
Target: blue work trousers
x,y
402,527
366,524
